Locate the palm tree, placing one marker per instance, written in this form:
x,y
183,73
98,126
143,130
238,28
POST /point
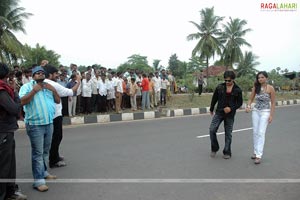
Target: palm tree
x,y
247,65
156,64
11,20
208,35
233,39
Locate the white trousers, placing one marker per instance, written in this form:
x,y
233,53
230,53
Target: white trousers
x,y
133,102
72,105
260,123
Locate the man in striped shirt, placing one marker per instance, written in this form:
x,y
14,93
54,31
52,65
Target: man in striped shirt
x,y
38,99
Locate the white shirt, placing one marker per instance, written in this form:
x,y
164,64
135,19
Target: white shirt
x,y
164,84
62,92
157,83
79,90
26,80
86,88
119,85
102,87
111,89
94,85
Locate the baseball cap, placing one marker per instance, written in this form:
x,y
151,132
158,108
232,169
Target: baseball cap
x,y
37,69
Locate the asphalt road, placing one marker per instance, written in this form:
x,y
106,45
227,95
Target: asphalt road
x,y
168,159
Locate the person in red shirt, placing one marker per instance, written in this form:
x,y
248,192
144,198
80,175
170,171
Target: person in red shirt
x,y
145,92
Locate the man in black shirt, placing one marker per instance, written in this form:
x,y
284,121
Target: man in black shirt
x,y
228,95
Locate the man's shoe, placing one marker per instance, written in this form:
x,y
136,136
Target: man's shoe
x,y
58,164
213,154
257,161
253,156
61,158
226,156
42,188
50,177
17,196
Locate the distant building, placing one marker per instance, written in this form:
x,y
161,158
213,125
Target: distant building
x,y
212,71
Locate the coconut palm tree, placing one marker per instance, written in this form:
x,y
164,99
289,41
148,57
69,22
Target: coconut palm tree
x,y
247,65
156,64
11,21
208,36
233,38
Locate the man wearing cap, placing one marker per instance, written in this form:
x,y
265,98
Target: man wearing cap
x,y
38,99
9,112
55,160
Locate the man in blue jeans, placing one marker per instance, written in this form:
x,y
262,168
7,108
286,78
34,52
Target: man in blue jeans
x,y
39,98
228,95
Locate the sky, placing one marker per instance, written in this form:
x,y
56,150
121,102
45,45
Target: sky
x,y
108,32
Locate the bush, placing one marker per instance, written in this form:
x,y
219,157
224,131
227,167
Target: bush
x,y
246,83
212,83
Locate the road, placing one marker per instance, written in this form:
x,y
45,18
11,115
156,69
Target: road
x,y
168,159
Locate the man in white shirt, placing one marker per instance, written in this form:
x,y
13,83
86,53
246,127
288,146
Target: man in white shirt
x,y
27,77
157,87
95,94
102,90
86,94
55,160
111,93
163,94
119,92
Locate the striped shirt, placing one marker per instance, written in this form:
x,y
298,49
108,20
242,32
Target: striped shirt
x,y
41,109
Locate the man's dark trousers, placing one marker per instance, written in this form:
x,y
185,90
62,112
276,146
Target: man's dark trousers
x,y
56,140
7,164
228,127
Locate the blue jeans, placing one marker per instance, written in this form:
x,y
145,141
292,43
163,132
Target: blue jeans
x,y
40,138
145,100
214,126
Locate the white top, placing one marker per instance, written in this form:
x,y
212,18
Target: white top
x,y
94,85
62,92
164,84
26,80
102,87
171,78
79,89
157,83
86,88
119,85
111,89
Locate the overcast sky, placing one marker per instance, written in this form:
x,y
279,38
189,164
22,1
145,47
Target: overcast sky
x,y
108,32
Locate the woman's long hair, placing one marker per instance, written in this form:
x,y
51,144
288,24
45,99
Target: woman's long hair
x,y
257,85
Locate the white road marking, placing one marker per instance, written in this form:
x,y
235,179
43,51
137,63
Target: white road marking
x,y
157,180
221,133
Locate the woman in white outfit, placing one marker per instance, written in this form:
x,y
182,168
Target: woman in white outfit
x,y
262,112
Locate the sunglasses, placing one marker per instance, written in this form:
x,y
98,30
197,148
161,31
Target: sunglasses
x,y
228,81
39,73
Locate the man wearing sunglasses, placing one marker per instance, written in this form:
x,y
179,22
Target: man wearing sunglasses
x,y
228,95
38,99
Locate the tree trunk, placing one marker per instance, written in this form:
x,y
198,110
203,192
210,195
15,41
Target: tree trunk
x,y
207,65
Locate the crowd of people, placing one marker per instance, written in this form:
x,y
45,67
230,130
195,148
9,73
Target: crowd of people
x,y
103,90
43,94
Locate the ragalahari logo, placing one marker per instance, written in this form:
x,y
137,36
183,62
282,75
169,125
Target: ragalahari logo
x,y
284,6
